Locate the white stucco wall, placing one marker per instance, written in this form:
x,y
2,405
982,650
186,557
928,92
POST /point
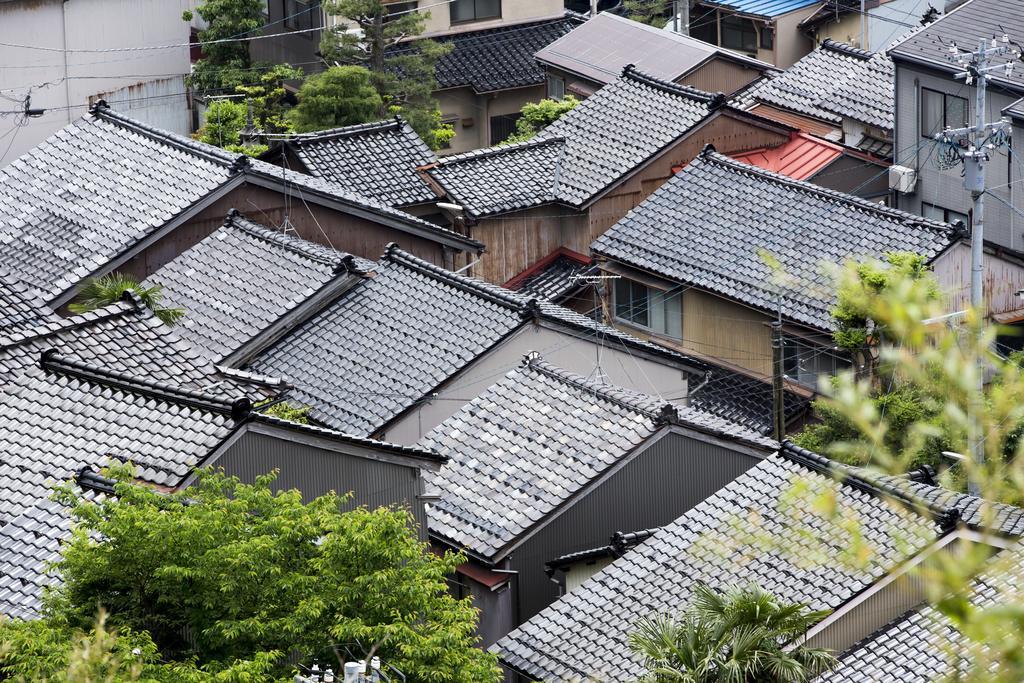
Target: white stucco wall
x,y
65,89
558,348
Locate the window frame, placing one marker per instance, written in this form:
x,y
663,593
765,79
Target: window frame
x,y
670,311
947,214
298,23
476,15
554,78
803,347
742,23
944,123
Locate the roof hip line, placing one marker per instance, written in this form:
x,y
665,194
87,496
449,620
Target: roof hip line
x,y
395,254
235,219
100,109
714,99
946,517
709,154
665,414
51,361
846,49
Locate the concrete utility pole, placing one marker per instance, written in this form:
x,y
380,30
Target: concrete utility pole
x,y
977,142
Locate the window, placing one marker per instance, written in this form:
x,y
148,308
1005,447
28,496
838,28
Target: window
x,y
739,34
298,14
397,9
474,10
704,24
940,110
653,309
805,362
556,87
938,213
767,38
502,126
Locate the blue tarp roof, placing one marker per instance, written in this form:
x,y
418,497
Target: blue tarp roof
x,y
763,8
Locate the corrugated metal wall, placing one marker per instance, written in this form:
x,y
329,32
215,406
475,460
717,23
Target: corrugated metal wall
x,y
315,471
667,479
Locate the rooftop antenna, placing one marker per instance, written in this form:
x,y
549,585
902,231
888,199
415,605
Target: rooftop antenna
x,y
596,281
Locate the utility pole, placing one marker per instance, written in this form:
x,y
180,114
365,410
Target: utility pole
x,y
778,387
977,142
593,8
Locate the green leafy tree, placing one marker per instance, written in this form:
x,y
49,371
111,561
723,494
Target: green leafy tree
x,y
653,12
225,65
267,97
946,361
223,127
733,637
539,115
405,79
287,411
339,96
109,289
230,577
894,395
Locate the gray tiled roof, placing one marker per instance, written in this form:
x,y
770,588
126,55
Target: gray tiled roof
x,y
20,307
919,646
744,400
241,279
533,441
124,337
554,278
63,415
103,183
377,160
966,25
498,58
581,154
600,48
583,636
835,81
405,329
709,224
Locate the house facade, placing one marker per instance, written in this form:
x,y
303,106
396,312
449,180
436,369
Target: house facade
x,y
147,195
693,263
763,29
929,99
593,54
755,530
837,92
586,170
66,85
539,464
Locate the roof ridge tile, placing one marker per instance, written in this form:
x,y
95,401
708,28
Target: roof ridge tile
x,y
53,328
394,123
499,150
52,362
946,517
659,411
314,252
846,49
101,110
632,73
709,154
395,254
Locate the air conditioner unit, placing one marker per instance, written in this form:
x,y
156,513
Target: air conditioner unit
x,y
902,179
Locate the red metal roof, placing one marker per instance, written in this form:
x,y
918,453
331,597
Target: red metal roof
x,y
800,158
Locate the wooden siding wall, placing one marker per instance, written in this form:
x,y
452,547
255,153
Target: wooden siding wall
x,y
315,471
720,75
808,125
517,240
1002,280
713,326
342,231
671,475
